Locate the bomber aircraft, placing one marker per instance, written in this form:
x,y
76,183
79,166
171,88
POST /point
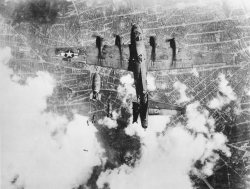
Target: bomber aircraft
x,y
132,58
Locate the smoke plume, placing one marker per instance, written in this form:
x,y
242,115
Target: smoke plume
x,y
40,149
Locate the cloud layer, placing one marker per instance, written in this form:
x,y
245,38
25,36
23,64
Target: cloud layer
x,y
126,89
40,149
169,159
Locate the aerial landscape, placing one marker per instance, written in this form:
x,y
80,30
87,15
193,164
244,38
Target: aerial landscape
x,y
68,106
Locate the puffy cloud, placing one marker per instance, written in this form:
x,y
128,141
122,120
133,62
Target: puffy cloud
x,y
145,3
40,149
127,80
168,159
248,92
156,124
151,82
108,122
199,120
224,96
5,55
126,90
225,88
181,88
195,72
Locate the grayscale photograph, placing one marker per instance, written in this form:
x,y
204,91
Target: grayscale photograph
x,y
125,94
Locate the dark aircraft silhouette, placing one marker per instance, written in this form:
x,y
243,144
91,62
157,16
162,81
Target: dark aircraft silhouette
x,y
133,58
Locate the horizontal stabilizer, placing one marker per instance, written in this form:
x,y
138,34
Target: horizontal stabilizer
x,y
159,108
152,111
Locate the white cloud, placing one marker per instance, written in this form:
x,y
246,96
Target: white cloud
x,y
167,160
126,90
151,82
224,96
248,92
41,149
127,80
181,88
199,120
195,72
108,122
156,124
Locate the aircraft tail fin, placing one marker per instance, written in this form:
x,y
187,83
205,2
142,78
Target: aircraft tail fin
x,y
136,111
144,111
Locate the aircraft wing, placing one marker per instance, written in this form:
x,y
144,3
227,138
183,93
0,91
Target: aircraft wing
x,y
117,56
111,56
162,59
160,108
164,54
99,53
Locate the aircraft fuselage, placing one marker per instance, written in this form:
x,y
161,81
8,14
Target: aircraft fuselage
x,y
137,64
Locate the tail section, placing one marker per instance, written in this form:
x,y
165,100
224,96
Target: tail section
x,y
159,108
144,111
136,111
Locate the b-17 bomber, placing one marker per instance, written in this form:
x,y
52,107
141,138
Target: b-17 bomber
x,y
137,63
125,94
